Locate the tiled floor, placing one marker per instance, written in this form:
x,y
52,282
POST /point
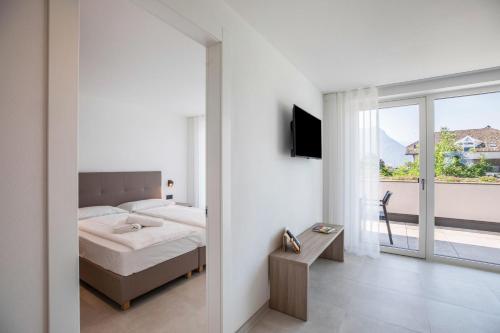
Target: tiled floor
x,y
394,294
451,242
178,306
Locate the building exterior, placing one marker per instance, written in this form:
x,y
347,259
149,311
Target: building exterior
x,y
476,143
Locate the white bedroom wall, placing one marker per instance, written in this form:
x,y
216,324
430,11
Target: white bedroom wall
x,y
23,114
196,168
140,80
116,136
269,189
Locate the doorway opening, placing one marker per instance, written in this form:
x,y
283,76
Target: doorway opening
x,y
63,189
141,161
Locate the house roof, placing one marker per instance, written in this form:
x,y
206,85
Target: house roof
x,y
488,136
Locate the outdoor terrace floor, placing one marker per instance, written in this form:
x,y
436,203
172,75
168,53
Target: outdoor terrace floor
x,y
451,242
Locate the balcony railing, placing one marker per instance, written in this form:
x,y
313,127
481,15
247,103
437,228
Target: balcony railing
x,y
461,205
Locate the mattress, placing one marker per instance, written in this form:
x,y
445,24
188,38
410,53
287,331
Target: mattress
x,y
124,261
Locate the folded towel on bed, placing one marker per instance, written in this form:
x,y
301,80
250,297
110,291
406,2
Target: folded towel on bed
x,y
144,221
124,228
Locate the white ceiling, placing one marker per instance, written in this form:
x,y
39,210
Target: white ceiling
x,y
128,55
342,44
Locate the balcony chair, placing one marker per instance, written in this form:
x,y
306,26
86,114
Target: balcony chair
x,y
383,214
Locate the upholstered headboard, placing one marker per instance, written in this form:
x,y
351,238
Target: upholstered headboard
x,y
114,188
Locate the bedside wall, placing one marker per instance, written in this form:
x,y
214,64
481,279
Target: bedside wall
x,y
116,136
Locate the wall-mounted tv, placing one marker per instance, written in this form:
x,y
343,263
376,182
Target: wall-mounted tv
x,y
306,134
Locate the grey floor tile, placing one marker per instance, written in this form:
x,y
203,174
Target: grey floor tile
x,y
392,278
393,261
274,321
469,295
391,307
447,318
362,324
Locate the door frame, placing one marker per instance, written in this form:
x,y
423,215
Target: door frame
x,y
422,218
62,161
431,184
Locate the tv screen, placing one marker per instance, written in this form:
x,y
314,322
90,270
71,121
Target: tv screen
x,y
306,134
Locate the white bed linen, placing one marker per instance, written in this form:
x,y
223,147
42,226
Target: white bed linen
x,y
182,214
102,226
125,261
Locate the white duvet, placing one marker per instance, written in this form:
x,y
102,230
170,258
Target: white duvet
x,y
182,214
102,226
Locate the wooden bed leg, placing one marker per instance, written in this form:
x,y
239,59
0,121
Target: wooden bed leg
x,y
189,274
200,269
125,306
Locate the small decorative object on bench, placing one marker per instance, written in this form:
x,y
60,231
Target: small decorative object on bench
x,y
324,228
289,238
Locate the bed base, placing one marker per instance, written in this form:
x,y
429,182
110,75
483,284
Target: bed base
x,y
123,289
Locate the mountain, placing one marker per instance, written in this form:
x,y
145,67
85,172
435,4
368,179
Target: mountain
x,y
391,151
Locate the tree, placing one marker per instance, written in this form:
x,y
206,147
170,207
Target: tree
x,y
384,170
479,169
411,169
444,148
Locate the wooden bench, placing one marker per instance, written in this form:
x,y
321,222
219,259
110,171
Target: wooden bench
x,y
289,272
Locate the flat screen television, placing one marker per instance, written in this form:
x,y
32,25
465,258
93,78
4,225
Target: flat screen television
x,y
306,134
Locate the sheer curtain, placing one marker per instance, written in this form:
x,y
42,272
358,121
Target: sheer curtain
x,y
353,168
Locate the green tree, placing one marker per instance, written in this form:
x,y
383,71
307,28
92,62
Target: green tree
x,y
411,169
478,169
384,169
445,146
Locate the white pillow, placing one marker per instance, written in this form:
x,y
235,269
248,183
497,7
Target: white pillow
x,y
94,211
134,206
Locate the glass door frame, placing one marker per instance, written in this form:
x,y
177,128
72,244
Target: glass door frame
x,y
422,217
430,218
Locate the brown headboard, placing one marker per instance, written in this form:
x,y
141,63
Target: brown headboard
x,y
114,188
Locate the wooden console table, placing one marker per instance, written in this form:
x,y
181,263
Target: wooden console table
x,y
289,272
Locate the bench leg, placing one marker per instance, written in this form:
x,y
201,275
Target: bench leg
x,y
335,251
189,274
289,288
125,306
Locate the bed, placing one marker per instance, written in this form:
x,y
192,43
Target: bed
x,y
113,268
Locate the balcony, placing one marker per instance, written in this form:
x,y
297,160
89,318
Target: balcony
x,y
467,219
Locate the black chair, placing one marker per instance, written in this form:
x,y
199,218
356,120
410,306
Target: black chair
x,y
383,215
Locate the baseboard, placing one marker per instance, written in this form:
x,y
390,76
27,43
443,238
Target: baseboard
x,y
250,323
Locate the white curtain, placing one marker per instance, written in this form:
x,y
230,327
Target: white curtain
x,y
196,178
352,164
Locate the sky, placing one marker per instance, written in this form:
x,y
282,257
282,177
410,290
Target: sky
x,y
477,111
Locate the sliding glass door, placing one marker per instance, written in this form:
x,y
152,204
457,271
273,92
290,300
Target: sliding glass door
x,y
464,198
402,182
440,177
